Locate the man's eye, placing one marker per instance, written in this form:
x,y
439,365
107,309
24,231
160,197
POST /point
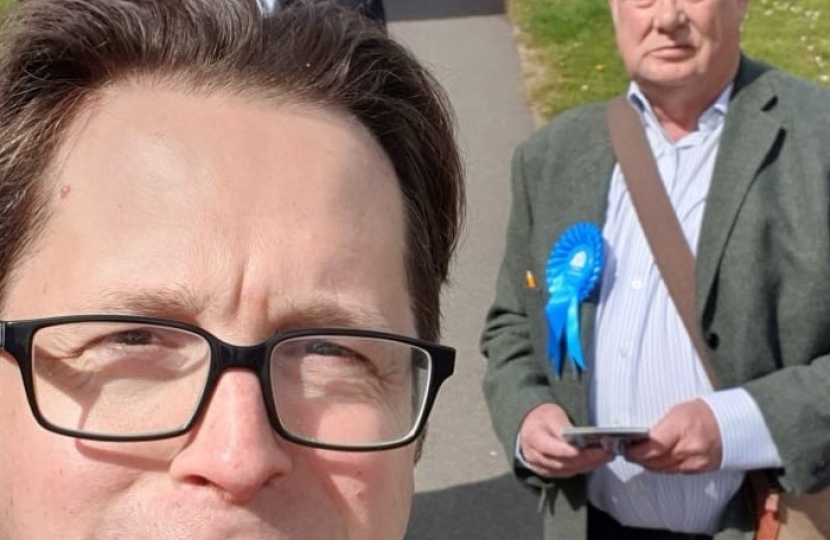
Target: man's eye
x,y
132,337
340,354
327,348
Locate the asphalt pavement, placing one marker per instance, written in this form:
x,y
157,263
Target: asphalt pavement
x,y
464,489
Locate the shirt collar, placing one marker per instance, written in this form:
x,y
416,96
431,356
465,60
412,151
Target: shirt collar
x,y
709,120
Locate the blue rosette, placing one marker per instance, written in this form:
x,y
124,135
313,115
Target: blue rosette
x,y
573,270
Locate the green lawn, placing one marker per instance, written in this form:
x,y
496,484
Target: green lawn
x,y
571,46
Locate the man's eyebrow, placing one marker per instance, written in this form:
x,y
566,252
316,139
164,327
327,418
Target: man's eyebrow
x,y
173,301
178,302
324,312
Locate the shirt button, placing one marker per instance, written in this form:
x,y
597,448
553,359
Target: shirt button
x,y
624,352
637,284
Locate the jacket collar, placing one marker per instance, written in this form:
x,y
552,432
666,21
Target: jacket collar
x,y
749,134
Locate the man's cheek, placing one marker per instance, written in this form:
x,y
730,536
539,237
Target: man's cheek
x,y
27,497
61,491
367,485
19,480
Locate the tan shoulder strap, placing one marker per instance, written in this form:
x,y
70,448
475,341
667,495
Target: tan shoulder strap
x,y
674,259
657,217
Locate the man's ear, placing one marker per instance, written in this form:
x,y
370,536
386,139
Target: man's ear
x,y
419,445
743,6
613,7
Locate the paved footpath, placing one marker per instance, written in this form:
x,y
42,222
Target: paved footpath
x,y
464,489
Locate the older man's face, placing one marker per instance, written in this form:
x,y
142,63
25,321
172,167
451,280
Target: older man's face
x,y
245,218
667,44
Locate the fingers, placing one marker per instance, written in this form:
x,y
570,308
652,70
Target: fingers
x,y
547,453
570,462
651,451
654,456
685,441
658,453
541,444
672,461
541,426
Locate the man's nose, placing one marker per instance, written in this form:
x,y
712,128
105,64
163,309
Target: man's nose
x,y
669,15
234,448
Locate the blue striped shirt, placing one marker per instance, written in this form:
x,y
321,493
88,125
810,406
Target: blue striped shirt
x,y
644,362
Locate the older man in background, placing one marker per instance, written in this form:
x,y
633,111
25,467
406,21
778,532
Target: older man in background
x,y
741,149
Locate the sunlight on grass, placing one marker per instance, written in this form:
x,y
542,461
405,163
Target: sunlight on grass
x,y
570,44
791,35
3,5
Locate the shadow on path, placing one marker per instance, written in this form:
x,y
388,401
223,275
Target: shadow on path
x,y
495,509
410,10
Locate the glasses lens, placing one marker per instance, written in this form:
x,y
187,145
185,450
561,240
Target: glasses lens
x,y
118,379
349,391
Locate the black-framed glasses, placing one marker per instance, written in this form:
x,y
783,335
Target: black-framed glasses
x,y
131,378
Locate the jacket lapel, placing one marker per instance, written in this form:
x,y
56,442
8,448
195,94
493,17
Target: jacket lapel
x,y
589,192
589,196
592,197
569,194
748,136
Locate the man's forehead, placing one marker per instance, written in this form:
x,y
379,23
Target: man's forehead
x,y
184,302
215,209
130,122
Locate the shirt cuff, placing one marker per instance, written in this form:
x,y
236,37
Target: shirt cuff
x,y
745,438
520,459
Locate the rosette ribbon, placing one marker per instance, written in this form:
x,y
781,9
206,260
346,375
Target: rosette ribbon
x,y
573,270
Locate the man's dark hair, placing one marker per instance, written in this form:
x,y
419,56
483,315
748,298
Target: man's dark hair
x,y
57,55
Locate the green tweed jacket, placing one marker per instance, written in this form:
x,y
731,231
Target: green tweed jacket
x,y
762,278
